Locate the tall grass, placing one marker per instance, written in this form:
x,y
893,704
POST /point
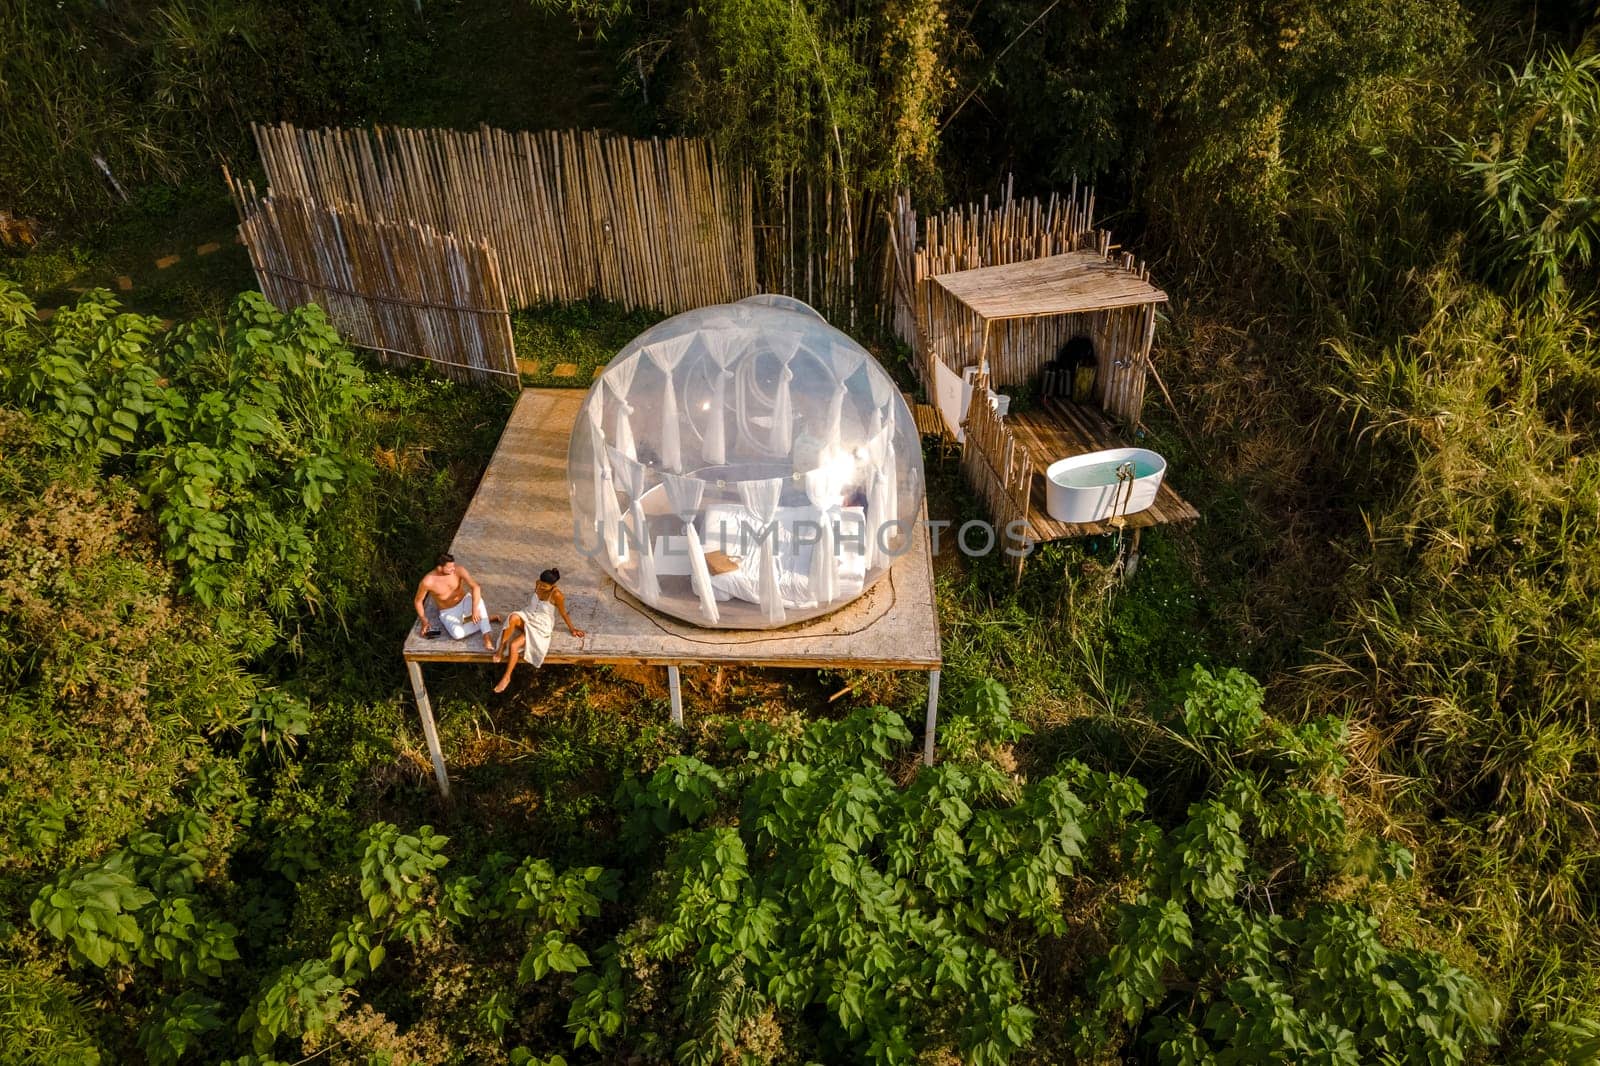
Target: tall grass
x,y
1470,635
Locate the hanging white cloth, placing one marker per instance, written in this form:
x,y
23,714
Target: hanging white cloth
x,y
618,377
781,439
683,496
881,507
880,442
630,473
765,424
846,361
761,497
666,355
607,515
822,489
714,442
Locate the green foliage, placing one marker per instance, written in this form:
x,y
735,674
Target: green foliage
x,y
585,334
1539,166
160,90
275,724
1221,955
241,436
808,88
399,882
298,1000
44,1018
180,1026
1467,636
842,891
93,912
1215,113
104,678
144,903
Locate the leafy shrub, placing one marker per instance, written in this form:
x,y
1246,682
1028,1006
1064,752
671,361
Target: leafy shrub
x,y
805,881
242,436
1223,952
45,1018
107,682
160,90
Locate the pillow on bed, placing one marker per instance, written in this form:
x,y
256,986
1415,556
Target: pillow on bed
x,y
718,562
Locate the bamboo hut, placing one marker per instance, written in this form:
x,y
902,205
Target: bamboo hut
x,y
1006,333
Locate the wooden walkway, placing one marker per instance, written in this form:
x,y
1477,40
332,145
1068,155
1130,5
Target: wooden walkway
x,y
1059,429
520,522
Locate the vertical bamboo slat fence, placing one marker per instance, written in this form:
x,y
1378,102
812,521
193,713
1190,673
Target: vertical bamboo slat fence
x,y
826,247
571,214
401,288
996,464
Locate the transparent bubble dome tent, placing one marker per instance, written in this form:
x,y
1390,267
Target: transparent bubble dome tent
x,y
745,466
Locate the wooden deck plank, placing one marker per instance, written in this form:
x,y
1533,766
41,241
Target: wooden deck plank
x,y
520,522
1062,429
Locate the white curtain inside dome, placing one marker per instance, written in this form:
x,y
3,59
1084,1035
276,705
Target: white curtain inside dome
x,y
683,496
823,486
881,501
761,497
608,516
845,362
756,413
666,355
619,379
781,441
722,347
765,422
631,474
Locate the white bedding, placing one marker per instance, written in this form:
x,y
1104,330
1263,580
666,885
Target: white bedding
x,y
724,532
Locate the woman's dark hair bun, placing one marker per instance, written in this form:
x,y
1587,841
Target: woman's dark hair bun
x,y
550,576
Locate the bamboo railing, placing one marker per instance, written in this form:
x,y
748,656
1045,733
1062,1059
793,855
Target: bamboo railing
x,y
997,466
403,289
657,223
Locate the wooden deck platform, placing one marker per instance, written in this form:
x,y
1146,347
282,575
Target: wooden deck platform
x,y
519,522
1059,429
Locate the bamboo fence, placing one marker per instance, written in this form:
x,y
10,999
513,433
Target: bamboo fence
x,y
977,235
996,464
826,245
403,289
571,214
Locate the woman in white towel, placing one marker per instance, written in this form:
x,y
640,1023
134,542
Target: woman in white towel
x,y
527,632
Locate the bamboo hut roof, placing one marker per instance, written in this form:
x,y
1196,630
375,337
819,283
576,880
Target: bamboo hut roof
x,y
1065,284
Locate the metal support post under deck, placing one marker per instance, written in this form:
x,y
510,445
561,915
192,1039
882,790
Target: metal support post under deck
x,y
677,696
932,724
429,730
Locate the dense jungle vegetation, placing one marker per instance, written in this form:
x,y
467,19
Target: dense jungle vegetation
x,y
1320,784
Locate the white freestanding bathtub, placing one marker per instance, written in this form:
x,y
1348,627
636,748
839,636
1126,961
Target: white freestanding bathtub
x,y
1085,488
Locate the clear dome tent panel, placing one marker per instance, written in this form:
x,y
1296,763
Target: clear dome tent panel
x,y
745,466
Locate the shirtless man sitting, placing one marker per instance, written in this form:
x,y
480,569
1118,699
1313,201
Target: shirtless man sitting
x,y
459,599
